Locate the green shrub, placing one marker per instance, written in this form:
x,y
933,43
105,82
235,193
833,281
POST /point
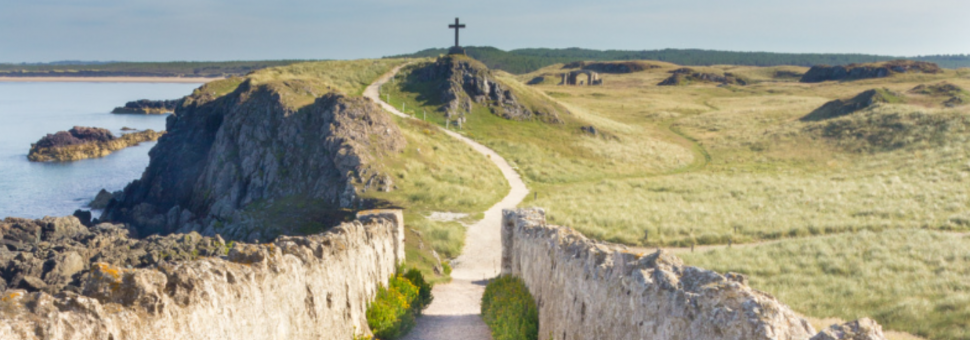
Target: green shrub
x,y
509,310
393,311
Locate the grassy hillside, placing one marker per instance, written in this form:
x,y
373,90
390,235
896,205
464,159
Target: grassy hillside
x,y
531,59
908,280
435,173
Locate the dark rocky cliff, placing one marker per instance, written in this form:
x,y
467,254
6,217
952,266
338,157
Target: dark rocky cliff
x,y
232,163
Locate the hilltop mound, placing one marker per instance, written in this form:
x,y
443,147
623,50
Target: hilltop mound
x,y
255,158
954,95
612,67
687,76
461,82
822,73
84,142
839,107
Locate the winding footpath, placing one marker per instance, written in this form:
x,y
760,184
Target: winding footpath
x,y
455,311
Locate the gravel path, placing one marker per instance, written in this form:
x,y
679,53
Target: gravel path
x,y
455,311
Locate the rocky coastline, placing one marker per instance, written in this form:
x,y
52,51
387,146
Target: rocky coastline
x,y
85,142
149,107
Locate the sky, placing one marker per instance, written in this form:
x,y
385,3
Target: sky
x,y
201,30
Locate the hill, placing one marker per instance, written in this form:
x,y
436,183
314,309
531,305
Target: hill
x,y
530,59
208,69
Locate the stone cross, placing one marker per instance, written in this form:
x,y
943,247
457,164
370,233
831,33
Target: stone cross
x,y
456,26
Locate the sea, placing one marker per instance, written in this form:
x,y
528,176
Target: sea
x,y
29,111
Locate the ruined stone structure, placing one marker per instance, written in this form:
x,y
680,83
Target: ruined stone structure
x,y
591,290
313,287
577,78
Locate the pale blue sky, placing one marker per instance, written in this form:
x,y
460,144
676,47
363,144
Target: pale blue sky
x,y
160,30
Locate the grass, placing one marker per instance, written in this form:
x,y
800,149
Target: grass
x,y
709,165
509,309
908,280
438,173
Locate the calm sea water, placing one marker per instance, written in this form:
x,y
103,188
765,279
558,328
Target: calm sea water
x,y
28,111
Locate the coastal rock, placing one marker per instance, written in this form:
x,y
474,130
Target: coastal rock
x,y
236,164
862,329
56,253
102,199
463,81
145,106
820,73
309,287
84,142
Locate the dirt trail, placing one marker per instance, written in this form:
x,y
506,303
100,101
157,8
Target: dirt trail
x,y
454,313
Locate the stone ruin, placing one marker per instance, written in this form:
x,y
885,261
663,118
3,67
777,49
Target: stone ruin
x,y
577,78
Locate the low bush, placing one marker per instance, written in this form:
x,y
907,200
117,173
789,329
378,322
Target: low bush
x,y
509,310
393,311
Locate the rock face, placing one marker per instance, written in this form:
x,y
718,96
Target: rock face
x,y
820,73
314,287
590,290
462,81
145,106
85,142
839,107
687,76
862,329
246,166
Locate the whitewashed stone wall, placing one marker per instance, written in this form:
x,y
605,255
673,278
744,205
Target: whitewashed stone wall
x,y
591,290
314,287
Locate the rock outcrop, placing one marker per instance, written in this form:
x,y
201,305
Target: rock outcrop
x,y
953,95
862,329
463,82
313,287
145,106
56,254
247,166
85,142
842,107
592,290
612,66
687,76
820,73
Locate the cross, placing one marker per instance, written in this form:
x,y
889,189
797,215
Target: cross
x,y
456,26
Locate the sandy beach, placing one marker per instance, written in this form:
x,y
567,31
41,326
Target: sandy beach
x,y
107,80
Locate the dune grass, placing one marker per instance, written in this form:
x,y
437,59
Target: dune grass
x,y
908,280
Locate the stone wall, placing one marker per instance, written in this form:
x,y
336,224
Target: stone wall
x,y
313,287
590,290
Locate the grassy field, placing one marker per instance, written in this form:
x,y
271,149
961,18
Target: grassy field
x,y
707,165
770,176
908,280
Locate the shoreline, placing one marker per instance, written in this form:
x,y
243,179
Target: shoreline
x,y
107,80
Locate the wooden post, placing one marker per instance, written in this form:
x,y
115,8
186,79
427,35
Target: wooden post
x,y
729,243
646,235
404,108
425,114
692,247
